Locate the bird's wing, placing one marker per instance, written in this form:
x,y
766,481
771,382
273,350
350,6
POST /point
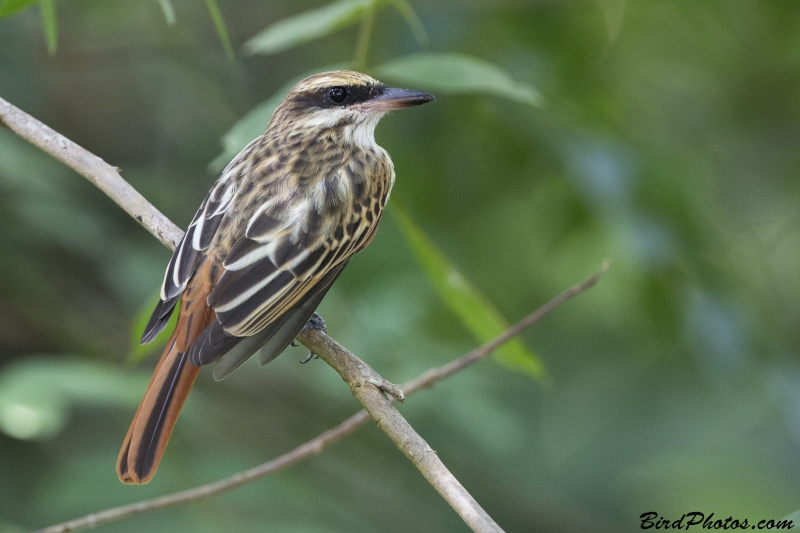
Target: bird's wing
x,y
286,261
184,261
270,341
283,255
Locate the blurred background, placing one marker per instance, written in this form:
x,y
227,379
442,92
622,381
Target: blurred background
x,y
667,138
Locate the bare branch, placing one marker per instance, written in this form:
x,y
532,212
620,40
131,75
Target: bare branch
x,y
312,447
367,386
92,168
322,441
364,383
433,375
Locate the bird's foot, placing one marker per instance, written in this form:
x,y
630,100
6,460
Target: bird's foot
x,y
315,322
311,355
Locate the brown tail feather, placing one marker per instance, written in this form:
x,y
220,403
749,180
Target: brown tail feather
x,y
169,387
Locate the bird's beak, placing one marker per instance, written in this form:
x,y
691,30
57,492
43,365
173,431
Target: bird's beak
x,y
390,99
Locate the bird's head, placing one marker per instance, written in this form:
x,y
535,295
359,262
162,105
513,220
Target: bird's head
x,y
342,99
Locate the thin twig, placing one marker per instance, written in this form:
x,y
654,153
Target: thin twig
x,y
367,386
88,165
361,378
429,377
312,447
322,441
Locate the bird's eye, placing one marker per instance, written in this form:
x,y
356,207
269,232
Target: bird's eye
x,y
337,94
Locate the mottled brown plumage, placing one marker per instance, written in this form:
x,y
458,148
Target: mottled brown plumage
x,y
271,236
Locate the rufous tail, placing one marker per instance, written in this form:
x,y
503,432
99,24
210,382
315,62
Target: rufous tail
x,y
169,387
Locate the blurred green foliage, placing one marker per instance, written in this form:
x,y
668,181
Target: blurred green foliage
x,y
10,7
457,74
669,142
473,309
307,26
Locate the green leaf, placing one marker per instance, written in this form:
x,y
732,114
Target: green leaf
x,y
169,11
255,122
10,7
476,313
50,24
457,74
307,26
222,29
140,351
37,392
792,521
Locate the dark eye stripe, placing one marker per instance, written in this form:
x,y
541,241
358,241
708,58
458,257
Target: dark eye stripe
x,y
319,98
360,93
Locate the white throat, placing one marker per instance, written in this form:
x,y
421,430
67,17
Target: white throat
x,y
362,131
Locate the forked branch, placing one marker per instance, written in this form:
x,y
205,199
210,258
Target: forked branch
x,y
363,381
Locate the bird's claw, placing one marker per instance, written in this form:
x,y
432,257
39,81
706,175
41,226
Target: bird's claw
x,y
315,322
311,355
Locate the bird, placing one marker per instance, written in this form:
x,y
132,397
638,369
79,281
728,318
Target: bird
x,y
274,232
